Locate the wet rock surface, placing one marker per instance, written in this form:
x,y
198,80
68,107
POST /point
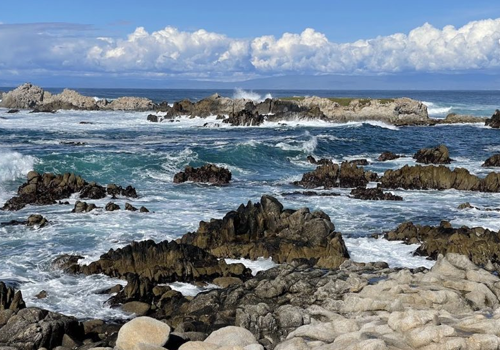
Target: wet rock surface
x,y
386,156
436,155
479,244
374,194
34,220
440,178
208,173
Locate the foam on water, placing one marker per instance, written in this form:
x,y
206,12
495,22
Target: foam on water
x,y
306,146
261,264
437,111
14,165
188,289
250,95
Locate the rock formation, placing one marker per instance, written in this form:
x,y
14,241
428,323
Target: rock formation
x,y
454,118
330,175
208,173
493,161
494,121
440,178
374,194
478,244
436,155
265,229
385,156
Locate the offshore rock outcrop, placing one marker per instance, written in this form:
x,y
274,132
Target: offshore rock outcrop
x,y
454,118
435,155
330,175
420,177
374,194
208,173
494,121
47,188
493,161
386,156
480,245
265,229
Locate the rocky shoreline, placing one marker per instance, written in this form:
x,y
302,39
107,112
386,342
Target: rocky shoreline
x,y
242,112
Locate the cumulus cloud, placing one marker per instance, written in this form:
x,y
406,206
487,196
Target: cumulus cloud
x,y
60,47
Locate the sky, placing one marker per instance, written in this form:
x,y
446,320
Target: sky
x,y
222,43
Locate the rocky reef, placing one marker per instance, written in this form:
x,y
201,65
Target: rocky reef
x,y
420,177
435,155
494,121
208,173
493,161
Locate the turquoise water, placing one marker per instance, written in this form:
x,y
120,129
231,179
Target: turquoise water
x,y
124,148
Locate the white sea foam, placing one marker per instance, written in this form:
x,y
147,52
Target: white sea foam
x,y
261,264
14,165
188,289
250,95
434,110
307,146
395,253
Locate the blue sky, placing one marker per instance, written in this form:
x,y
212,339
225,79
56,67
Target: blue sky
x,y
129,42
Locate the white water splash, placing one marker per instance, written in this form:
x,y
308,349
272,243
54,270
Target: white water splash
x,y
14,165
249,95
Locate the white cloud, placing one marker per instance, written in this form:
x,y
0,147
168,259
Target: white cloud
x,y
171,52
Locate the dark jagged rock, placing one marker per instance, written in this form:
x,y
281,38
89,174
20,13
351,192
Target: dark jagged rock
x,y
112,207
493,161
34,328
208,173
245,118
143,209
374,194
83,207
37,220
359,162
154,118
311,194
164,262
494,121
72,143
130,207
12,111
41,295
93,191
66,263
322,161
385,156
436,155
332,175
440,178
479,244
45,189
114,191
467,205
10,299
266,230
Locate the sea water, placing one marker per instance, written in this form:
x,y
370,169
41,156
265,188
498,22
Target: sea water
x,y
124,148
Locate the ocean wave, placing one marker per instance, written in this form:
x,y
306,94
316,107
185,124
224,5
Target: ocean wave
x,y
435,110
307,146
14,165
250,95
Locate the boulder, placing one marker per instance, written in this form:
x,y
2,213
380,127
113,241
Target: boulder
x,y
231,336
112,207
440,178
374,194
494,121
208,173
83,207
245,118
25,96
266,230
114,191
37,220
385,156
493,161
34,328
436,155
93,191
142,330
130,207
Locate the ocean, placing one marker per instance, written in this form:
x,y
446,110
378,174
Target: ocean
x,y
124,148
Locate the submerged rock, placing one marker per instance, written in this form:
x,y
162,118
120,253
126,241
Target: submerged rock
x,y
208,173
265,229
440,178
34,220
374,194
494,121
436,155
493,161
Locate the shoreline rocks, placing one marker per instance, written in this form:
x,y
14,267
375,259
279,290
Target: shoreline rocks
x,y
494,121
493,161
331,175
208,173
374,194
